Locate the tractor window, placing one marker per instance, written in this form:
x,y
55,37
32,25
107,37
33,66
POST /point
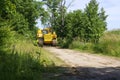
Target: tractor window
x,y
45,32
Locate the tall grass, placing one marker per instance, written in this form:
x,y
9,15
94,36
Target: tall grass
x,y
81,45
23,61
19,64
109,44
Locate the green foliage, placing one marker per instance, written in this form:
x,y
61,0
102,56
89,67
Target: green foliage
x,y
95,23
64,43
24,61
53,11
89,25
17,62
5,37
20,59
76,44
18,67
7,9
20,24
21,15
30,9
109,44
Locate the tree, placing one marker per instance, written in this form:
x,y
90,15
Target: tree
x,y
19,24
95,23
52,8
30,9
103,17
21,15
88,25
7,10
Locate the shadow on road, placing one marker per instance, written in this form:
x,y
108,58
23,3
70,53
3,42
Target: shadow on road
x,y
84,73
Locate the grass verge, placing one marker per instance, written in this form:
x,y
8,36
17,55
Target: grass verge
x,y
24,61
109,44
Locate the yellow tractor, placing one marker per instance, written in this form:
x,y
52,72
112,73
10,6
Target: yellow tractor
x,y
46,36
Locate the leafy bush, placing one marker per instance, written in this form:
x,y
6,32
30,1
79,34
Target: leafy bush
x,y
81,45
64,43
6,37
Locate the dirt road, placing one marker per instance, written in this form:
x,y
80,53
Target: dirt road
x,y
85,66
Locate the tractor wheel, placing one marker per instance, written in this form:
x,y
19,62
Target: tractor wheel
x,y
54,42
40,42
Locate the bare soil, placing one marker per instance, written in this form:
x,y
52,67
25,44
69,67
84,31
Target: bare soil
x,y
86,66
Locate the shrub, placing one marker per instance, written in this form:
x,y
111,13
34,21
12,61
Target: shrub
x,y
6,37
81,45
